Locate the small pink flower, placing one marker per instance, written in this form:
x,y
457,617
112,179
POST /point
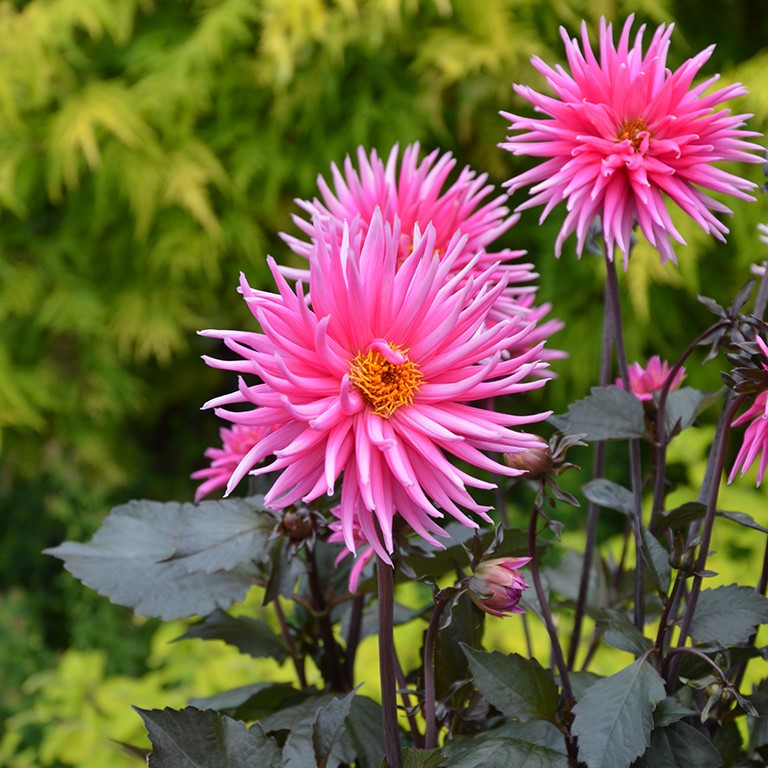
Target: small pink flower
x,y
498,585
237,441
643,382
418,194
623,135
755,440
378,381
364,554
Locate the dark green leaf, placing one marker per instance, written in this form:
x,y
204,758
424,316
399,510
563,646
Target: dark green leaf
x,y
249,702
669,711
679,745
614,718
683,406
582,681
608,413
728,615
606,493
365,730
492,751
516,686
299,720
192,738
657,560
134,559
252,636
681,517
328,727
538,732
621,633
565,577
140,753
451,664
284,570
423,758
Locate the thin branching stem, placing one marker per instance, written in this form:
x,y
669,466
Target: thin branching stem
x,y
593,510
661,426
634,447
546,614
386,600
405,697
430,733
285,633
353,638
331,664
717,455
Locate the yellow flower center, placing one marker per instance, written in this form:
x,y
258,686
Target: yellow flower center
x,y
631,130
385,385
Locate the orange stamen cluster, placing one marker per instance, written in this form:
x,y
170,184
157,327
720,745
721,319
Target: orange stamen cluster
x,y
630,130
385,386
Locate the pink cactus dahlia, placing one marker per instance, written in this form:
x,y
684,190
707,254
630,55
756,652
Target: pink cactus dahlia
x,y
623,134
755,442
236,442
416,193
643,382
374,382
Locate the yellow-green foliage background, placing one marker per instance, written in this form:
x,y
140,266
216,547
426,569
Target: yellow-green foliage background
x,y
149,151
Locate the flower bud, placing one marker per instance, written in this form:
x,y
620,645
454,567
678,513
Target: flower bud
x,y
497,585
297,524
535,462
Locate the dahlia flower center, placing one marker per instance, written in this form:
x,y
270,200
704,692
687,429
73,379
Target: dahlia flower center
x,y
385,384
631,130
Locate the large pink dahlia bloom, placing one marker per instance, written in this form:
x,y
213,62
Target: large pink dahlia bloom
x,y
755,442
623,134
418,194
374,382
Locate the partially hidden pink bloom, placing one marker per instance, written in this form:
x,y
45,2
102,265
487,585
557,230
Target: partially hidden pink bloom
x,y
237,441
755,442
643,382
417,192
364,553
498,585
623,135
374,382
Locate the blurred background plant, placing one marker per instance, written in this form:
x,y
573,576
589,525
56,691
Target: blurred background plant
x,y
151,151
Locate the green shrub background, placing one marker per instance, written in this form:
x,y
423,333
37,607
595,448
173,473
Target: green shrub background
x,y
149,151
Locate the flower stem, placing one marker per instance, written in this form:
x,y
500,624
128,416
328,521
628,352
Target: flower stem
x,y
332,666
353,639
717,456
386,598
593,511
430,734
634,448
546,614
285,632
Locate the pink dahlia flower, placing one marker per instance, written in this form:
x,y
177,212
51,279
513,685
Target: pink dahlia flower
x,y
416,192
236,441
623,134
755,440
643,382
373,382
498,585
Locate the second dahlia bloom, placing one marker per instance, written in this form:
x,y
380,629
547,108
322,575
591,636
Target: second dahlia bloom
x,y
755,442
236,442
417,192
643,382
623,135
373,383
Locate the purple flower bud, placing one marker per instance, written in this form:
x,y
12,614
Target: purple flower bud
x,y
497,585
535,462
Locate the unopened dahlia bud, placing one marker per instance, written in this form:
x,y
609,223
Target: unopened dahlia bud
x,y
535,462
498,585
297,524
